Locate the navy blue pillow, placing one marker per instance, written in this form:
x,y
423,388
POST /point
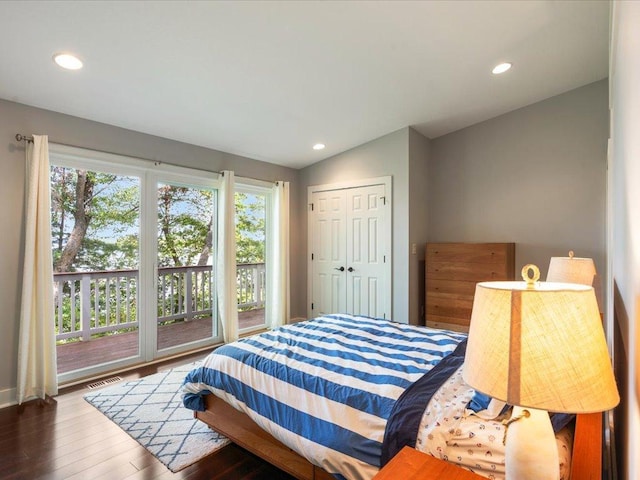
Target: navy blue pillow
x,y
560,420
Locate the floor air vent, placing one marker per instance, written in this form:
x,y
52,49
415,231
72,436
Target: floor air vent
x,y
102,383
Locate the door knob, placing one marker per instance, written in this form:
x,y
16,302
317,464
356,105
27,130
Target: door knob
x,y
341,269
350,269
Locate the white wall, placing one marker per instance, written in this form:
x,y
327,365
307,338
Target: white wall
x,y
625,248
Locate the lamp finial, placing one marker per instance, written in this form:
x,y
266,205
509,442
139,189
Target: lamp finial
x,y
530,274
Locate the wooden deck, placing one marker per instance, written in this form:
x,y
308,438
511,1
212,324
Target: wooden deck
x,y
72,356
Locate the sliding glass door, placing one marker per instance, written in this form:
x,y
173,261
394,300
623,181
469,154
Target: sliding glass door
x,y
185,247
95,220
251,210
133,246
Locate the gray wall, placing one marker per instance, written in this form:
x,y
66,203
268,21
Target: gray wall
x,y
387,155
535,176
16,118
419,158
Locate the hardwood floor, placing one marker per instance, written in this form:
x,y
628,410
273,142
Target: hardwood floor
x,y
69,439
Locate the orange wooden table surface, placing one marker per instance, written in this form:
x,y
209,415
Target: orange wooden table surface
x,y
411,464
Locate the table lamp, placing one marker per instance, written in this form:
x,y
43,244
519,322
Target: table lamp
x,y
540,347
574,269
571,269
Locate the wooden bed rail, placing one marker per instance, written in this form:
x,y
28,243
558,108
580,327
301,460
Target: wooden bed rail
x,y
586,463
243,431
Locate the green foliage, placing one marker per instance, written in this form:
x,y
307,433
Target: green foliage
x,y
111,241
250,228
185,217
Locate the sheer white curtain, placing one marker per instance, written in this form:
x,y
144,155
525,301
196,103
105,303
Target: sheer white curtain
x,y
278,305
37,366
226,258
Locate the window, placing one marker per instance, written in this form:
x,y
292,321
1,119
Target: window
x,y
251,207
132,244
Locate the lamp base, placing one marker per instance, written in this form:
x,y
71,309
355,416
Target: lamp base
x,y
531,450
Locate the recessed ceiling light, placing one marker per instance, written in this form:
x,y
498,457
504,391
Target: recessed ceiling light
x,y
503,67
319,146
67,61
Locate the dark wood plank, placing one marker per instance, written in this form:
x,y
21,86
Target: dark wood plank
x,y
71,439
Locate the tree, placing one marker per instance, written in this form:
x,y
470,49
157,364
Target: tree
x,y
185,218
95,223
203,259
88,210
82,216
250,228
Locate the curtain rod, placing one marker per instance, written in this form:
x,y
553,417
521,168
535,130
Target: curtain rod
x,y
25,138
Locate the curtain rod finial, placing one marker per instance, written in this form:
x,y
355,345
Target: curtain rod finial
x,y
23,138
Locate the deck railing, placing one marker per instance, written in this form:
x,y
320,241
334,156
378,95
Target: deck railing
x,y
90,303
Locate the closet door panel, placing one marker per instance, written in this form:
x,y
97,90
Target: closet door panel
x,y
365,261
329,252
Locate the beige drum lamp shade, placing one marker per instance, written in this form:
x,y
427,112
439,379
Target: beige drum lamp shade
x,y
540,345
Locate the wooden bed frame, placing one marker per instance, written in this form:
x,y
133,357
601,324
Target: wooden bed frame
x,y
243,431
586,463
462,262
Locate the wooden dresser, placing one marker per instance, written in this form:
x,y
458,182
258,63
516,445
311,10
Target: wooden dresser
x,y
452,271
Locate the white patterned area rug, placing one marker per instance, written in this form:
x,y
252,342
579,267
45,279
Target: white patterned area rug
x,y
150,410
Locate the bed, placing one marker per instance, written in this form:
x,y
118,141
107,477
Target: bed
x,y
337,396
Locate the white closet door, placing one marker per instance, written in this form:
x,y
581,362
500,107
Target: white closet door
x,y
329,252
349,241
366,283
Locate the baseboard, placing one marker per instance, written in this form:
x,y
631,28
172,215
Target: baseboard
x,y
8,397
297,319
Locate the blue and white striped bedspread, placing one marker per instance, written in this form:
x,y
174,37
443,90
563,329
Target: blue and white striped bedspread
x,y
324,387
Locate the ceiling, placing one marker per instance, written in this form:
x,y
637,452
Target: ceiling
x,y
267,80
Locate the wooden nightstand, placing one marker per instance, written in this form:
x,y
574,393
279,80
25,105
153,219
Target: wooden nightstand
x,y
411,464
